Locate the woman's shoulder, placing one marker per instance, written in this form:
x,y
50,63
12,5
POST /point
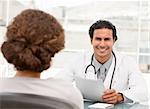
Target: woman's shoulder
x,y
68,90
61,82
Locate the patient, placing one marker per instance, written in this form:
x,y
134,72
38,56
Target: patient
x,y
33,38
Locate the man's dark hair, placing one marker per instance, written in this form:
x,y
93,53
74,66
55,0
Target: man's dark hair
x,y
100,24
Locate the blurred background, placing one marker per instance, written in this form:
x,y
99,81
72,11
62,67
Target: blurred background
x,y
131,18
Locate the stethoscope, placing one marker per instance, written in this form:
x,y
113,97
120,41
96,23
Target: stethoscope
x,y
91,65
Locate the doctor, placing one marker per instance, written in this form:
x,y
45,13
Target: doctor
x,y
122,78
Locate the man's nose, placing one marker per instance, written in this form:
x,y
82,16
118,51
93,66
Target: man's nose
x,y
102,43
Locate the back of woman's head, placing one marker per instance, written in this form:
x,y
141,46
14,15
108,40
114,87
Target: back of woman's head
x,y
32,39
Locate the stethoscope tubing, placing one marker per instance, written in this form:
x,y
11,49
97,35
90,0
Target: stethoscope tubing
x,y
113,70
95,68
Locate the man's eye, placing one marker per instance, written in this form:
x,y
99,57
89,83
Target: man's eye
x,y
107,39
98,39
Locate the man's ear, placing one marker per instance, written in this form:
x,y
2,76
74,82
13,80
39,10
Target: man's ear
x,y
91,41
115,39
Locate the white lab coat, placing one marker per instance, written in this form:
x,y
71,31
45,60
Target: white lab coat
x,y
127,77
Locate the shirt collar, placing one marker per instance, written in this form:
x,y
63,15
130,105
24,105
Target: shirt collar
x,y
106,64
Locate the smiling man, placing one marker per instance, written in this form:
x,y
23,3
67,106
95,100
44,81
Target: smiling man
x,y
102,42
121,76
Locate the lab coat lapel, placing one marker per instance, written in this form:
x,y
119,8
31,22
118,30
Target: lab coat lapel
x,y
110,71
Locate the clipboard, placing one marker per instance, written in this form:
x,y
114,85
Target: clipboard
x,y
90,89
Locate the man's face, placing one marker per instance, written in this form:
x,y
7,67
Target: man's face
x,y
102,44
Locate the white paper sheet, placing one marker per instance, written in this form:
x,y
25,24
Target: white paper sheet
x,y
91,89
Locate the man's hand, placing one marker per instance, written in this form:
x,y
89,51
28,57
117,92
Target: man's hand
x,y
111,96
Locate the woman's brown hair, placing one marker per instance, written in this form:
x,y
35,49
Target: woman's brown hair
x,y
32,39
